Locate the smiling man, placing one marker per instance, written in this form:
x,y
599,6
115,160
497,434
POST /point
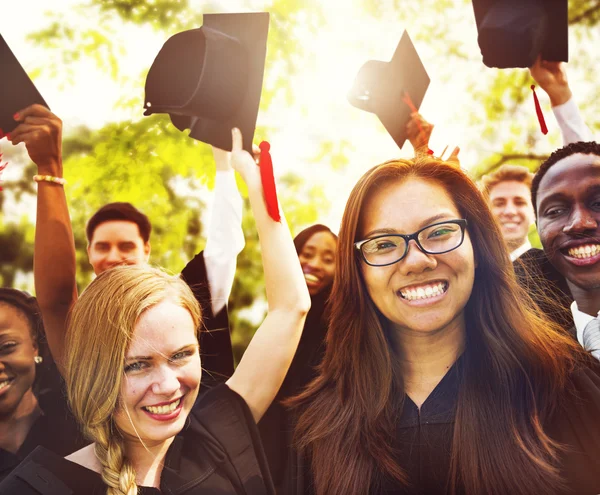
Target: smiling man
x,y
566,195
508,191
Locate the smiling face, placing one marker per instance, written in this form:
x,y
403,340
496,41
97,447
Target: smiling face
x,y
568,207
162,375
17,366
510,202
117,242
421,293
317,259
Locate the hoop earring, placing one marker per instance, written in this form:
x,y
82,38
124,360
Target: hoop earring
x,y
38,359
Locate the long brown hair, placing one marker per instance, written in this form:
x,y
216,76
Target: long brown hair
x,y
515,364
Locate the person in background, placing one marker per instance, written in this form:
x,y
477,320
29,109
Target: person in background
x,y
316,247
33,410
508,191
117,234
133,372
438,375
566,195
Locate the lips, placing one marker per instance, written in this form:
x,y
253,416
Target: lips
x,y
427,290
5,383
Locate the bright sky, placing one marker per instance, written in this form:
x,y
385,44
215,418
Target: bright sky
x,y
320,88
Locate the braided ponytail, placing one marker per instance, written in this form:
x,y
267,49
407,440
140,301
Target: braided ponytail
x,y
117,472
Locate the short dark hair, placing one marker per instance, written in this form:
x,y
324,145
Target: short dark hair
x,y
585,148
119,211
28,306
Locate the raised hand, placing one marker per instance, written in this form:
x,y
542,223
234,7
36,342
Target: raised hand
x,y
41,131
418,132
552,78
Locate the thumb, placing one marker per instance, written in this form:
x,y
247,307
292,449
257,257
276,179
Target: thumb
x,y
236,139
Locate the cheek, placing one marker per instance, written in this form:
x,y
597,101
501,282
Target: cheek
x,y
133,390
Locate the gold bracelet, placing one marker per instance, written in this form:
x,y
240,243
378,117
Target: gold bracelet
x,y
49,178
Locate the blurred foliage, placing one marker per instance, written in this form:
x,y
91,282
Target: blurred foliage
x,y
148,162
165,174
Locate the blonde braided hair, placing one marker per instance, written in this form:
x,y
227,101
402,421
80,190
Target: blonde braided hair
x,y
99,331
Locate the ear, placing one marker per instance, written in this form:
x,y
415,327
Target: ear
x,y
147,250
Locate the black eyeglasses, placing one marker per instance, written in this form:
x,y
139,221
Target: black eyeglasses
x,y
437,238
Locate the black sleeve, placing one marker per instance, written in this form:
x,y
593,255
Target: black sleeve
x,y
224,420
215,339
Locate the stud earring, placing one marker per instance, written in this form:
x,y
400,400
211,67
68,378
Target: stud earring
x,y
38,359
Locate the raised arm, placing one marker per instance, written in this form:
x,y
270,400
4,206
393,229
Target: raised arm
x,y
54,253
264,365
552,78
225,238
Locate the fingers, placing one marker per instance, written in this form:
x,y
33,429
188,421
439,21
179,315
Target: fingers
x,y
35,110
236,139
24,137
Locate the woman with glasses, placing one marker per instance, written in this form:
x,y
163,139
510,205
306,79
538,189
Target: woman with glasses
x,y
439,376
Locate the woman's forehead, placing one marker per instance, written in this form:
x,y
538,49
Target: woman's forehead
x,y
162,328
406,206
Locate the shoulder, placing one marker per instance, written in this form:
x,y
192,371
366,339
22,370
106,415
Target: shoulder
x,y
45,473
224,424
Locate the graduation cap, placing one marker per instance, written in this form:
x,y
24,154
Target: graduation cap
x,y
18,92
392,90
512,33
209,79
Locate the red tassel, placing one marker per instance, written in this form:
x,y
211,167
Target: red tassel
x,y
538,110
268,181
406,99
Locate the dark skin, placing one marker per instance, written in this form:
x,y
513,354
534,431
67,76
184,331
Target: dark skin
x,y
54,257
18,405
568,212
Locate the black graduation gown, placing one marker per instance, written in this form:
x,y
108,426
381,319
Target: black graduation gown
x,y
546,286
56,429
215,341
424,439
218,453
276,426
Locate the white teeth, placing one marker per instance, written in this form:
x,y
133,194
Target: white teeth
x,y
4,384
586,251
166,409
310,277
424,292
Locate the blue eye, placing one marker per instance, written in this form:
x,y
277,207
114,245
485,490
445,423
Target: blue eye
x,y
182,355
137,366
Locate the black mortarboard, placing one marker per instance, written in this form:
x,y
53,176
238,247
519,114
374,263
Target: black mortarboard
x,y
17,91
209,79
392,90
512,33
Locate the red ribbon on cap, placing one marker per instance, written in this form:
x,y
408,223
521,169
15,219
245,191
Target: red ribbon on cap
x,y
268,181
406,99
538,111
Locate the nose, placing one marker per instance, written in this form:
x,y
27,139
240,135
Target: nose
x,y
509,208
580,220
315,264
114,256
166,381
416,261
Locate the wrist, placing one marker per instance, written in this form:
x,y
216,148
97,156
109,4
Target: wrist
x,y
53,168
561,95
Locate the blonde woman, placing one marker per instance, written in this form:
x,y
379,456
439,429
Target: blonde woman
x,y
133,374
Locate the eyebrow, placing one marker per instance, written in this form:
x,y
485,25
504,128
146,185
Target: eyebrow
x,y
558,196
428,221
149,358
